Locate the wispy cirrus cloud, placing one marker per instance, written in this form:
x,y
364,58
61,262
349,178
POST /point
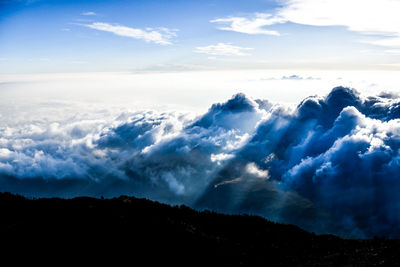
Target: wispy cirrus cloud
x,y
88,13
376,18
159,35
223,49
372,17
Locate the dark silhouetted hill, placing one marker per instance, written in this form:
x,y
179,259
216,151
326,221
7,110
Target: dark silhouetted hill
x,y
140,232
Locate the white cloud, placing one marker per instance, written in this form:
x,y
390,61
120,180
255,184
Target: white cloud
x,y
223,49
393,52
158,36
388,42
88,13
367,16
252,25
371,17
379,17
252,168
220,157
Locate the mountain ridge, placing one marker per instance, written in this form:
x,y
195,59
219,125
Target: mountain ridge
x,y
126,228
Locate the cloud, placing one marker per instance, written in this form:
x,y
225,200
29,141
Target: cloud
x,y
292,77
253,25
337,155
297,77
330,165
252,168
395,52
340,12
373,17
220,157
223,49
159,36
88,13
377,18
165,156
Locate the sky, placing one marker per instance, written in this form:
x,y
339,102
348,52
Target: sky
x,y
47,36
288,109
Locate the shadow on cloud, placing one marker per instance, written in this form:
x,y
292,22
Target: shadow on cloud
x,y
331,165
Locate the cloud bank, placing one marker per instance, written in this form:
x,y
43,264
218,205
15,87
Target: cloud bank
x,y
331,165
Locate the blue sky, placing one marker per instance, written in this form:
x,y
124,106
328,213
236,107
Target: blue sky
x,y
78,36
128,85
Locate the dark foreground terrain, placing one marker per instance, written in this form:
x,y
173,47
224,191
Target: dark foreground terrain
x,y
138,232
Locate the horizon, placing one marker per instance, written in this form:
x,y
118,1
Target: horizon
x,y
287,109
43,36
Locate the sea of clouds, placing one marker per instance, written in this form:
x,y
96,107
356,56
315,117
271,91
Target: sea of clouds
x,y
330,165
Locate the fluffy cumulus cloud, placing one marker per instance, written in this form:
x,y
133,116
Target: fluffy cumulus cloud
x,y
341,153
161,35
331,165
159,155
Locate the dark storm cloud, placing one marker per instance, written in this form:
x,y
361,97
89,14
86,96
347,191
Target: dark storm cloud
x,y
330,165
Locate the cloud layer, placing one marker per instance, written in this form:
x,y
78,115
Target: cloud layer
x,y
331,165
